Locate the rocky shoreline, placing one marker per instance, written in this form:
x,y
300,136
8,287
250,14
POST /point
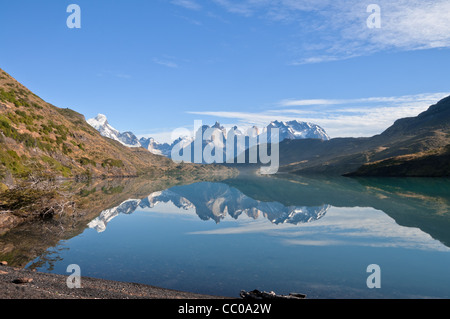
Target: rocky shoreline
x,y
19,283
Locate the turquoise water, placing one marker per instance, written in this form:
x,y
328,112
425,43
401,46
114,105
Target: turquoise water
x,y
291,234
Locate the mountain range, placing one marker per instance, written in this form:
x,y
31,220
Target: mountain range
x,y
290,130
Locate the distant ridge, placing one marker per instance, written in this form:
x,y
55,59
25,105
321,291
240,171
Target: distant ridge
x,y
290,130
420,141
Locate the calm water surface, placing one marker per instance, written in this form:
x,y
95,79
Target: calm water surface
x,y
289,234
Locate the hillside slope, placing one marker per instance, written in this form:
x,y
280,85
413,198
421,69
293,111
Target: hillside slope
x,y
39,138
434,163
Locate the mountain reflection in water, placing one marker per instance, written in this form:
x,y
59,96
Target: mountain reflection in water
x,y
282,233
214,201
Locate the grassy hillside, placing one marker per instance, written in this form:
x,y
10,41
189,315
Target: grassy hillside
x,y
434,163
39,138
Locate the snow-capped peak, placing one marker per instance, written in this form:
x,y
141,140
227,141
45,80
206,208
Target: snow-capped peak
x,y
100,123
298,130
99,120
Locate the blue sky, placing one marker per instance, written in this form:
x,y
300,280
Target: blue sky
x,y
153,66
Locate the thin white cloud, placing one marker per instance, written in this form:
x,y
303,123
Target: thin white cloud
x,y
333,30
426,97
415,25
361,117
309,102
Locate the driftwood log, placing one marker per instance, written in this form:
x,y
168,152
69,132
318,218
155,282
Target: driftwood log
x,y
256,294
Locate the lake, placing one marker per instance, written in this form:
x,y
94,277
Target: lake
x,y
277,233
